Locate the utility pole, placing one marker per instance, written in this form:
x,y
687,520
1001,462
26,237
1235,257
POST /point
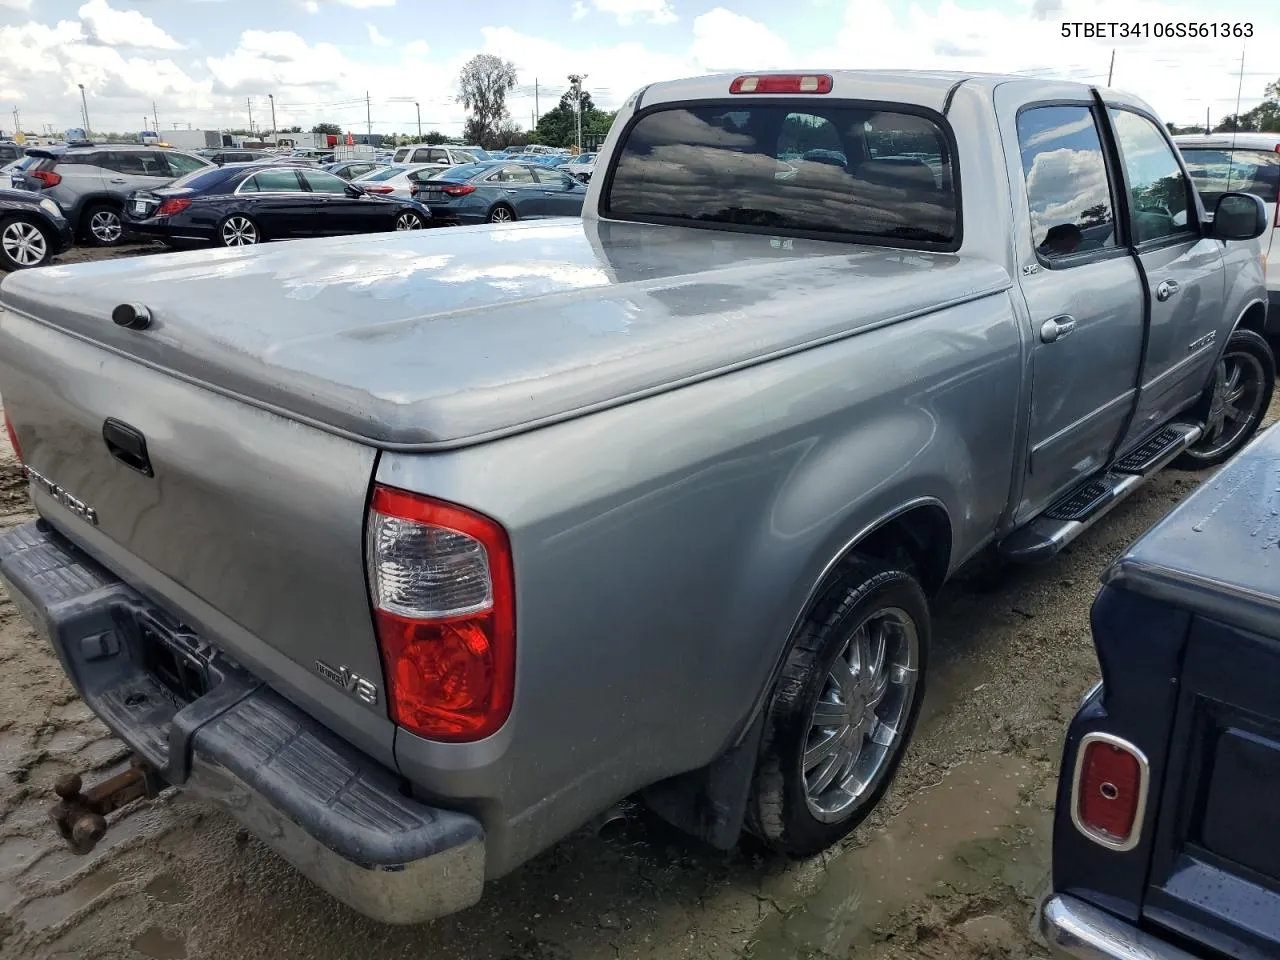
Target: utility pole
x,y
368,115
17,124
84,105
249,103
1207,131
535,101
1111,69
575,87
419,109
275,139
155,116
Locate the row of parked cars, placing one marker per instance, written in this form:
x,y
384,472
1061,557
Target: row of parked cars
x,y
100,194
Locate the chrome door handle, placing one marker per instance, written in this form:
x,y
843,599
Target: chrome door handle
x,y
117,180
1166,290
1051,331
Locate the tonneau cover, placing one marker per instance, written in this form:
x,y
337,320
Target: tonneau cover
x,y
1218,552
440,337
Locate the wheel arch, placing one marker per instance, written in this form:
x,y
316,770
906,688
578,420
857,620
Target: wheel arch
x,y
87,201
1253,317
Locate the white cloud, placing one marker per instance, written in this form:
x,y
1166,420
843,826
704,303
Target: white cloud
x,y
376,36
417,48
580,10
723,40
123,28
312,6
647,11
15,4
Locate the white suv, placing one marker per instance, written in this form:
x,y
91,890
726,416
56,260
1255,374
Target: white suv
x,y
1249,162
440,156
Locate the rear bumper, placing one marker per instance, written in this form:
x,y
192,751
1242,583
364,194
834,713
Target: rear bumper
x,y
1077,930
334,813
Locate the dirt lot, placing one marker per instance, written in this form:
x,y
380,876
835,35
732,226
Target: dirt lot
x,y
951,867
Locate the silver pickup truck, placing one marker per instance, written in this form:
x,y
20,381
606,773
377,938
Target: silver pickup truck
x,y
416,552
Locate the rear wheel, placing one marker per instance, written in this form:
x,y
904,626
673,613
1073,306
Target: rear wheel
x,y
1235,402
841,716
502,214
103,225
23,244
239,230
408,220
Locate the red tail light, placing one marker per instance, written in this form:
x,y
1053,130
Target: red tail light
x,y
444,608
782,83
379,188
47,177
13,437
172,205
458,189
1109,792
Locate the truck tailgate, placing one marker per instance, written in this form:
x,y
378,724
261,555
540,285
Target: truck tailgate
x,y
246,525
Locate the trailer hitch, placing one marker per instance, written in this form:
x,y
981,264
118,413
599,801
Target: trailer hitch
x,y
82,817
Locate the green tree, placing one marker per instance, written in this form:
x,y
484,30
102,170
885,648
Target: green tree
x,y
330,128
483,86
558,127
434,136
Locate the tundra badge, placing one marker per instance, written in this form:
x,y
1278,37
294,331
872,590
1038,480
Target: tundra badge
x,y
75,505
353,683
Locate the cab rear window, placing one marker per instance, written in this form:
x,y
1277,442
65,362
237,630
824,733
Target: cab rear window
x,y
838,172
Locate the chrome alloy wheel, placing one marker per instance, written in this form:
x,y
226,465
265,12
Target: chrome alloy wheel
x,y
105,225
24,243
858,722
239,232
501,215
408,221
1238,388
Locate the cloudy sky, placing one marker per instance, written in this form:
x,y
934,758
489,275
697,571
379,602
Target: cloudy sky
x,y
201,60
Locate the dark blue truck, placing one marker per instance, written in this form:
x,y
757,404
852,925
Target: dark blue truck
x,y
1166,842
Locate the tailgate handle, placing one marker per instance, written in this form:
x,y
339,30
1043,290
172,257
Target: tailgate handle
x,y
127,445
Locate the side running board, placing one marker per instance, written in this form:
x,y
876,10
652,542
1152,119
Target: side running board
x,y
1082,507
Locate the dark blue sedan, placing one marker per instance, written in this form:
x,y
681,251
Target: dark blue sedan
x,y
498,192
32,230
243,204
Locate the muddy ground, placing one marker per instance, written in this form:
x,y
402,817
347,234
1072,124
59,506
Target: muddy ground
x,y
950,867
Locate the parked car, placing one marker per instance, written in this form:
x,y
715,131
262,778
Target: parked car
x,y
10,173
497,526
92,182
1164,841
220,157
243,204
497,192
352,169
439,155
10,151
394,180
581,167
480,153
32,230
1249,162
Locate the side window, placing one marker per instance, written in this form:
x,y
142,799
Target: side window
x,y
1067,185
512,174
274,181
400,155
421,155
437,155
1158,190
321,182
153,163
553,179
180,164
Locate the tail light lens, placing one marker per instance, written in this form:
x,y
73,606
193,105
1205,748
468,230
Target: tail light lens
x,y
444,607
379,188
47,177
782,83
458,189
13,437
1109,792
172,205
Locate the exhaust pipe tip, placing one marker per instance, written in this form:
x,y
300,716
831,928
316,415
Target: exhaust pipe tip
x,y
612,824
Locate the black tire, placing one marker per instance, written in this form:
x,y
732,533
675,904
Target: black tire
x,y
402,215
779,809
501,213
102,225
1247,356
24,244
239,225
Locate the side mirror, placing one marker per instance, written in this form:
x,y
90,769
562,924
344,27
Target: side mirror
x,y
1239,216
354,190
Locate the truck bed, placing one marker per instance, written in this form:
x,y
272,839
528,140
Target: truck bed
x,y
447,337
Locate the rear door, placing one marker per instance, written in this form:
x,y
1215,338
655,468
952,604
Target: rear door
x,y
517,188
343,213
277,200
1082,289
1215,872
1182,269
